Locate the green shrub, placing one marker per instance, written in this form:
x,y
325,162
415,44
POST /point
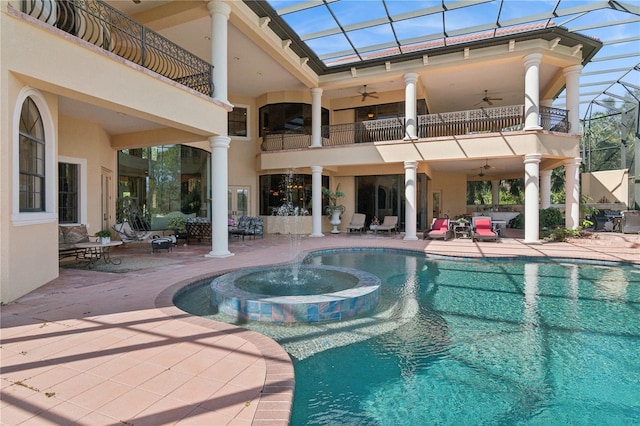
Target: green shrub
x,y
586,224
562,234
551,218
517,222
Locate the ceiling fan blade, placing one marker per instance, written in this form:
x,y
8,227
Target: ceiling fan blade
x,y
372,95
489,102
364,96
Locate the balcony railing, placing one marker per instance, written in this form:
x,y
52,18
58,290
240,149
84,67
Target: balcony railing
x,y
485,120
102,25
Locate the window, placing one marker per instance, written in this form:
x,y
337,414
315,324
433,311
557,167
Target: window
x,y
33,178
288,118
32,159
68,193
159,180
391,110
238,122
293,190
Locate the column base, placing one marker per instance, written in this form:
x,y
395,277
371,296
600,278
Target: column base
x,y
532,242
316,235
410,238
533,128
219,255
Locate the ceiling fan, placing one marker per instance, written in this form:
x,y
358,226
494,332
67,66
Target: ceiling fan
x,y
487,166
488,99
366,94
481,173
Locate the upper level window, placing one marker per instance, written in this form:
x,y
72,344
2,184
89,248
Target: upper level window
x,y
237,122
288,118
31,159
390,110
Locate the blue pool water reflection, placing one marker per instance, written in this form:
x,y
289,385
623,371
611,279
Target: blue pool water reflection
x,y
470,342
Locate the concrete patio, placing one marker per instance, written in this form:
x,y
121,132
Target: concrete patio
x,y
103,348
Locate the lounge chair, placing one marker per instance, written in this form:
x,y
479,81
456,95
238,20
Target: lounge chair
x,y
390,223
481,229
630,222
439,229
129,235
357,223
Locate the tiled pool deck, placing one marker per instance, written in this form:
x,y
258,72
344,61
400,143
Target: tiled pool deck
x,y
97,348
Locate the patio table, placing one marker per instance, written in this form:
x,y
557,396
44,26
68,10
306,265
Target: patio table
x,y
92,252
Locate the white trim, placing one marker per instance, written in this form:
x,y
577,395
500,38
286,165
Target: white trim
x,y
50,214
242,138
82,185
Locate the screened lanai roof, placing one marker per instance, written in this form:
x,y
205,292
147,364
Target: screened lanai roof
x,y
338,33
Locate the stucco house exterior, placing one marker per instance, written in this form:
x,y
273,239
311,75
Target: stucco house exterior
x,y
87,86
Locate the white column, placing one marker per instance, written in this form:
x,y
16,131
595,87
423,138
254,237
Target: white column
x,y
410,106
411,199
316,201
572,193
316,117
495,193
532,91
219,189
545,189
531,202
219,12
572,81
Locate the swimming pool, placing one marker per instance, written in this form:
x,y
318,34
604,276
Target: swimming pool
x,y
469,342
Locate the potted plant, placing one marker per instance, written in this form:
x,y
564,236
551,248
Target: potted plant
x,y
333,209
104,236
177,224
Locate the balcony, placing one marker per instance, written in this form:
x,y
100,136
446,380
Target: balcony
x,y
484,120
103,26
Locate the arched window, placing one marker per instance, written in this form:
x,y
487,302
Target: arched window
x,y
32,159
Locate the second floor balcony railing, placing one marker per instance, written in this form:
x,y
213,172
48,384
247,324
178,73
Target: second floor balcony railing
x,y
100,24
484,120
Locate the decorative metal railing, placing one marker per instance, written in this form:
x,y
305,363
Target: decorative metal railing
x,y
484,120
555,119
280,141
100,24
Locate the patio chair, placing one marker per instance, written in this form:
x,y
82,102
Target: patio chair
x,y
481,229
357,223
630,222
129,235
242,227
390,223
439,229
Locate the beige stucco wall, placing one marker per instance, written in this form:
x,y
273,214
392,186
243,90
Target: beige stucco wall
x,y
609,186
23,245
87,140
453,187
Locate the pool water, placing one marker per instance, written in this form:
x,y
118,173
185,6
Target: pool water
x,y
279,282
471,342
